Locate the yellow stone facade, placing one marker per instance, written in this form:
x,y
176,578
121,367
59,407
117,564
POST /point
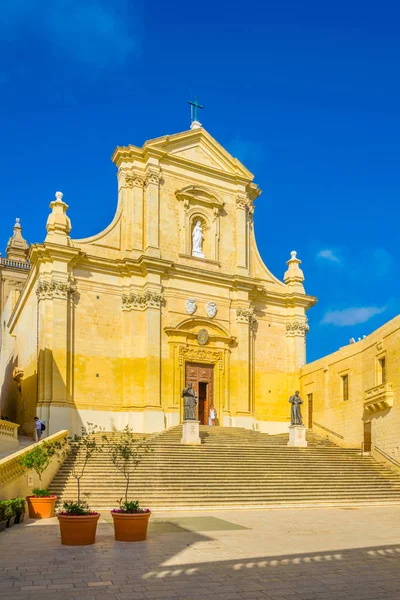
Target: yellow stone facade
x,y
101,329
355,393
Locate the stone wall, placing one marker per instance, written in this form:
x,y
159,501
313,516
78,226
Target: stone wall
x,y
370,400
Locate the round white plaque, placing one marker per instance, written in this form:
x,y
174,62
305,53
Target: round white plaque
x,y
191,306
211,309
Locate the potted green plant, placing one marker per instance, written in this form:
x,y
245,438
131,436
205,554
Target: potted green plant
x,y
3,518
41,503
126,453
77,522
19,509
9,513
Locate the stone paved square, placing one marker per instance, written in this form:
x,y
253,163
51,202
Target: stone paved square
x,y
288,554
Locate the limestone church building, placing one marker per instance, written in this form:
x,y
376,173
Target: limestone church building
x,y
109,329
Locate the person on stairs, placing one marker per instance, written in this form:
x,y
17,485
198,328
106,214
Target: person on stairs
x,y
212,416
39,428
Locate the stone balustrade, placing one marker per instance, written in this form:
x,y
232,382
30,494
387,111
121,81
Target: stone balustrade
x,y
13,477
380,397
17,264
8,430
8,435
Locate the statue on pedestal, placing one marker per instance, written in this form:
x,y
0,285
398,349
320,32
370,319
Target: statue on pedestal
x,y
189,403
197,239
295,401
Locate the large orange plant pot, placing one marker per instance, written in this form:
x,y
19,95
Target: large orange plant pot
x,y
41,508
130,527
78,531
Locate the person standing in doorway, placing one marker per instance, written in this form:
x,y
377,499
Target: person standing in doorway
x,y
213,415
39,428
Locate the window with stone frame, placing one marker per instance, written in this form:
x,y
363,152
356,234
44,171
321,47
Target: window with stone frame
x,y
345,387
382,370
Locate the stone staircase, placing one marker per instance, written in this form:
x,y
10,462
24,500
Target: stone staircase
x,y
235,467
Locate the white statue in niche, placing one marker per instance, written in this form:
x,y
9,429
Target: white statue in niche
x,y
197,237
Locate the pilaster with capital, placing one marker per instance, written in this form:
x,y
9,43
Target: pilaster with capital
x,y
142,314
243,360
142,300
244,212
55,295
132,193
152,209
296,331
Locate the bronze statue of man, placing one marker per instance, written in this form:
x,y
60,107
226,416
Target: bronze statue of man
x,y
295,401
189,403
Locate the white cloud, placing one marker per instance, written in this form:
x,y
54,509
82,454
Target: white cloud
x,y
328,255
351,316
94,32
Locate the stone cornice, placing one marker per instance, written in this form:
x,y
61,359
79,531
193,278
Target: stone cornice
x,y
48,252
199,194
258,289
194,167
165,147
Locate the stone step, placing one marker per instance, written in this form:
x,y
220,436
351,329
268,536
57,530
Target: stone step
x,y
185,499
235,467
242,482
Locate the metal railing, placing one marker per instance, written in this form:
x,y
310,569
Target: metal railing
x,y
388,457
329,430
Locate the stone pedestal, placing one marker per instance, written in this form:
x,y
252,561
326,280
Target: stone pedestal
x,y
297,436
190,433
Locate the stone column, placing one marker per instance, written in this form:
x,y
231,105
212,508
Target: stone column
x,y
152,210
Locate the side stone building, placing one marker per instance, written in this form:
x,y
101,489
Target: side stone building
x,y
14,271
110,328
353,395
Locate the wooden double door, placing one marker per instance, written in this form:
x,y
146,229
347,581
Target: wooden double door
x,y
201,376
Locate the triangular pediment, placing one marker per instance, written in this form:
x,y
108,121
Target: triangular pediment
x,y
198,146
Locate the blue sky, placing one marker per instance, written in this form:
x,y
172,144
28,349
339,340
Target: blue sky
x,y
306,94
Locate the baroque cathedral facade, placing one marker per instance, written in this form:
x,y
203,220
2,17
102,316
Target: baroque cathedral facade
x,y
109,329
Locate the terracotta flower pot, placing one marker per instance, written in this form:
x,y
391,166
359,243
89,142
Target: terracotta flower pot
x,y
41,508
130,527
78,531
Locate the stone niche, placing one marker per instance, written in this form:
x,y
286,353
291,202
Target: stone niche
x,y
197,203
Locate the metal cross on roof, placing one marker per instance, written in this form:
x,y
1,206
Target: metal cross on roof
x,y
193,109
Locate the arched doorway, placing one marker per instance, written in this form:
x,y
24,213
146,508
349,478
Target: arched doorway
x,y
202,378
